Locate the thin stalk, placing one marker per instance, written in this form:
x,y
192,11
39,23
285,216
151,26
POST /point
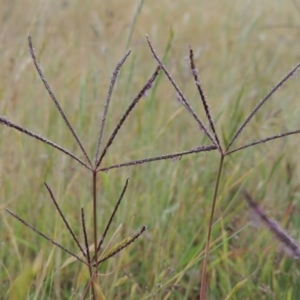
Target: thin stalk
x,y
274,137
8,123
181,96
53,97
86,243
137,235
95,211
64,219
161,157
141,94
89,284
45,236
109,94
261,103
203,278
203,99
87,249
112,216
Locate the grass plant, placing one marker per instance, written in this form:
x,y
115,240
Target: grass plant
x,y
198,243
92,263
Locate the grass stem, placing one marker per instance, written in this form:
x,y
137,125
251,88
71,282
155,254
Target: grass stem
x,y
95,212
204,267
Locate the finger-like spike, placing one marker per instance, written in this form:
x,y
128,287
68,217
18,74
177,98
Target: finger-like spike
x,y
45,237
54,99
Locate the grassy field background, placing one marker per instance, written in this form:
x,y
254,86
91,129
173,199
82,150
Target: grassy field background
x,y
242,49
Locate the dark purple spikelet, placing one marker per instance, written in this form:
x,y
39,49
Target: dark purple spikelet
x,y
290,247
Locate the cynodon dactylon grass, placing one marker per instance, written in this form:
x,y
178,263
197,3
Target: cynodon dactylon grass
x,y
92,262
100,254
93,256
193,157
211,133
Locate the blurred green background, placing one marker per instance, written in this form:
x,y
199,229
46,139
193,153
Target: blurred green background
x,y
242,49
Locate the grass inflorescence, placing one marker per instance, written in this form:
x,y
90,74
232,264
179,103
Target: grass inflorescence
x,y
193,139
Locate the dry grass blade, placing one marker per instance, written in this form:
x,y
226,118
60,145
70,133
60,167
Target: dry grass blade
x,y
143,91
261,103
50,92
64,219
274,137
112,216
203,99
161,157
125,245
8,123
111,88
45,237
290,245
180,93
